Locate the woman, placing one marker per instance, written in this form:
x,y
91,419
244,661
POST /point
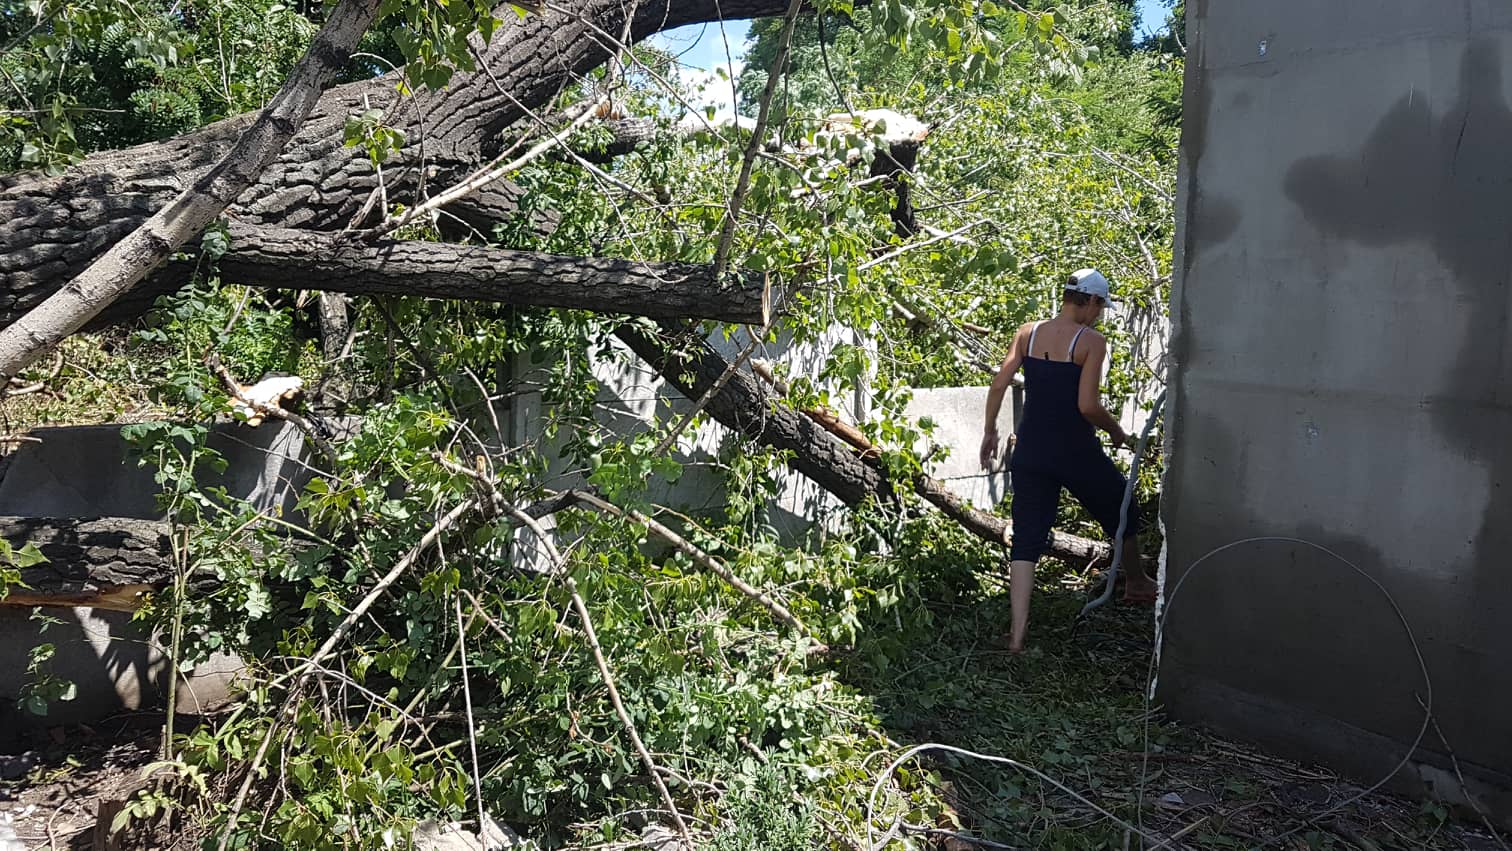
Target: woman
x,y
1057,443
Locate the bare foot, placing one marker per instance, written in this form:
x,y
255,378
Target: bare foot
x,y
1137,591
1006,644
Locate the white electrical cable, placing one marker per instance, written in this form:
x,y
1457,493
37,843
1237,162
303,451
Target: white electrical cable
x,y
1397,610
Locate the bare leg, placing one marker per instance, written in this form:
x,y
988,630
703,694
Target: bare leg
x,y
1138,586
1021,583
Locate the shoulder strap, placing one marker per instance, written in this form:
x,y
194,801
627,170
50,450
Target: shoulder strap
x,y
1071,350
1032,332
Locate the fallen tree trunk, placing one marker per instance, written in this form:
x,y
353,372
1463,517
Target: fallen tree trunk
x,y
52,227
293,259
751,408
105,562
995,529
754,410
140,252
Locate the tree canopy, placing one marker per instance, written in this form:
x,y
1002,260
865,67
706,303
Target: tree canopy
x,y
678,668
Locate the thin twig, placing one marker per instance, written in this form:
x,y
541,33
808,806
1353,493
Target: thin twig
x,y
14,387
483,176
1464,784
355,615
472,728
687,548
743,182
323,446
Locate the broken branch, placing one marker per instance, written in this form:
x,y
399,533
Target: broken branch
x,y
708,562
323,446
148,246
283,258
603,665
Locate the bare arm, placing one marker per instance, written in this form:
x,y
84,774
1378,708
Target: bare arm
x,y
1000,382
1089,394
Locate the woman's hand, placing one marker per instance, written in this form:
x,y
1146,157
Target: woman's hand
x,y
1122,438
989,452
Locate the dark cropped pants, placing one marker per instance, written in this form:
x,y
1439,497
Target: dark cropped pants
x,y
1093,480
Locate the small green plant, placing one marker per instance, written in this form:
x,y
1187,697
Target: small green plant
x,y
767,814
43,688
13,560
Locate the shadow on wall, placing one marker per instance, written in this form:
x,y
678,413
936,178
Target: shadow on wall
x,y
113,663
105,656
88,472
1441,178
1446,180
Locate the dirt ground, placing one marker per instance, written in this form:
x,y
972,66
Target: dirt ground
x,y
67,772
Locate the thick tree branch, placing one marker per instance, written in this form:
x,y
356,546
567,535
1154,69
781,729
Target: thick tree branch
x,y
143,250
105,562
51,228
750,408
281,258
754,410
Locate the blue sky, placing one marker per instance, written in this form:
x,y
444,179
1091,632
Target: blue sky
x,y
702,47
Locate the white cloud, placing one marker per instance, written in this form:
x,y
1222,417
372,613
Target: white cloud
x,y
710,88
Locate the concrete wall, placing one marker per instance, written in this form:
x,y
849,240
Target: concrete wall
x,y
1342,374
88,471
631,396
113,663
957,415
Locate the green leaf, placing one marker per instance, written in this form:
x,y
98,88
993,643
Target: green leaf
x,y
436,77
28,556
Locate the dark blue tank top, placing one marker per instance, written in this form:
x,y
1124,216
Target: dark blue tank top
x,y
1052,433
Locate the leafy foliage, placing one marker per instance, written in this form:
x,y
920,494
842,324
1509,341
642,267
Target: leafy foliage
x,y
111,73
82,76
1046,153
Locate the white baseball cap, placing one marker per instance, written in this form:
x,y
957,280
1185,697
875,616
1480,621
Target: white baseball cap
x,y
1091,282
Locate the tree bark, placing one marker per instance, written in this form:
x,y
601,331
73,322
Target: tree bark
x,y
146,247
105,562
750,408
625,135
292,259
994,529
51,228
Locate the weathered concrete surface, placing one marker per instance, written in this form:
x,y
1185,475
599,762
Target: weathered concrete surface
x,y
114,664
89,471
957,414
631,396
1342,375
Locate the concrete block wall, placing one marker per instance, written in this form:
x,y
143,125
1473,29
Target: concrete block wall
x,y
89,471
631,396
1342,376
114,663
957,414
